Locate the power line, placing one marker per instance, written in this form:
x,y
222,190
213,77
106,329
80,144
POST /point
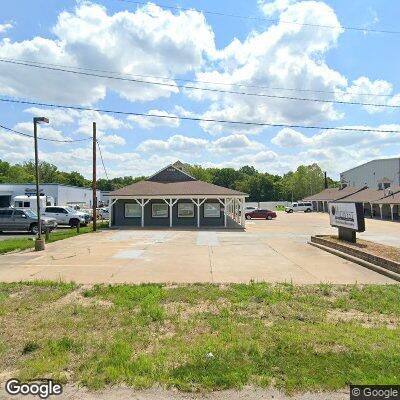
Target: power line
x,y
198,119
272,96
56,140
42,138
195,80
101,157
248,17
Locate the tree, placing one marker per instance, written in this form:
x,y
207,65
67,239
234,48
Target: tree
x,y
248,170
74,178
200,173
226,177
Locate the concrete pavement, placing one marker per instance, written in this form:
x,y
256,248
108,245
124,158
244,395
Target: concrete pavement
x,y
272,251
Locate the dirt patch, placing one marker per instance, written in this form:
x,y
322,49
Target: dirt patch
x,y
78,298
367,320
322,348
186,310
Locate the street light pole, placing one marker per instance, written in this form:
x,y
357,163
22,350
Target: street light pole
x,y
39,243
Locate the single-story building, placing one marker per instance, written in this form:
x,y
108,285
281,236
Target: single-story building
x,y
377,203
371,201
172,198
320,200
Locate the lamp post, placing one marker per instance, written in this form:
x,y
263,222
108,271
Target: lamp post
x,y
39,243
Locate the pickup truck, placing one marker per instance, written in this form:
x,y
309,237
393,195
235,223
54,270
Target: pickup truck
x,y
20,220
66,215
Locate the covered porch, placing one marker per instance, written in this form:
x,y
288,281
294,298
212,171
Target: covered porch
x,y
177,211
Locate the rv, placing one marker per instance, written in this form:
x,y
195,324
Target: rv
x,y
26,201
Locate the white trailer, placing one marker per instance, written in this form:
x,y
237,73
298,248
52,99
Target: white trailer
x,y
25,201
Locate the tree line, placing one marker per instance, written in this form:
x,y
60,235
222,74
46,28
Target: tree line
x,y
261,186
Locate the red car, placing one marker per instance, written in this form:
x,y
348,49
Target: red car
x,y
263,214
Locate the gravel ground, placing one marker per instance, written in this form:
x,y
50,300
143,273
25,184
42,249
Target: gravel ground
x,y
248,393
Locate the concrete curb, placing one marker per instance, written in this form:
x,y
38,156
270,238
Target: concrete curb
x,y
358,261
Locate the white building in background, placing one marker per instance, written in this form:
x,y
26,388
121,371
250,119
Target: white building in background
x,y
62,194
376,174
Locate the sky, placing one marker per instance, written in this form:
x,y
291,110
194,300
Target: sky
x,y
273,51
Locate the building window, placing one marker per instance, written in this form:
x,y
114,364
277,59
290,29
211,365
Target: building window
x,y
185,210
159,210
133,210
212,210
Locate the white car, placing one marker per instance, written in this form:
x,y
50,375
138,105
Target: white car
x,y
65,215
299,206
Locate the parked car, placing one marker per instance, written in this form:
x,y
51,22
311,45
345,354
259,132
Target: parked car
x,y
264,214
300,206
14,219
66,215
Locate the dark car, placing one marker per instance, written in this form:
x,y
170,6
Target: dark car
x,y
262,214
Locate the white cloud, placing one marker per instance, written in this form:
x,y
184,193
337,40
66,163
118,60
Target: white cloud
x,y
288,137
44,131
152,122
336,150
283,56
375,92
5,27
141,42
113,140
356,137
271,7
235,143
83,119
56,116
174,144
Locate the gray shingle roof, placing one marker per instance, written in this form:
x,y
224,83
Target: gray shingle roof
x,y
367,196
189,188
333,194
392,198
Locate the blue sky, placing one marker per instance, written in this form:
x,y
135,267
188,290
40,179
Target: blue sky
x,y
126,38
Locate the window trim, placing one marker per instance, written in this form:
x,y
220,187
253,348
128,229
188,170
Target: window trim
x,y
211,216
159,216
186,216
132,216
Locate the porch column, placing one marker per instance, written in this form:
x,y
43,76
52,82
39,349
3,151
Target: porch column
x,y
225,203
198,205
110,203
170,203
243,219
142,203
380,210
391,211
372,210
110,207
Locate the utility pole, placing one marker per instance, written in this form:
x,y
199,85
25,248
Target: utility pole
x,y
39,242
94,201
325,181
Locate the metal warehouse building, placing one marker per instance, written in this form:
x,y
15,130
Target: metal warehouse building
x,y
62,194
375,174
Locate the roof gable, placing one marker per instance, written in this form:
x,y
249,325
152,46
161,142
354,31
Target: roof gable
x,y
171,173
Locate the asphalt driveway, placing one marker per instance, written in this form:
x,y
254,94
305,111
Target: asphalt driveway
x,y
272,251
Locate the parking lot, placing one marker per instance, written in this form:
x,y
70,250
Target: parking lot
x,y
272,251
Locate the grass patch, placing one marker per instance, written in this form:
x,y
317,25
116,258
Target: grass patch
x,y
9,245
203,337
